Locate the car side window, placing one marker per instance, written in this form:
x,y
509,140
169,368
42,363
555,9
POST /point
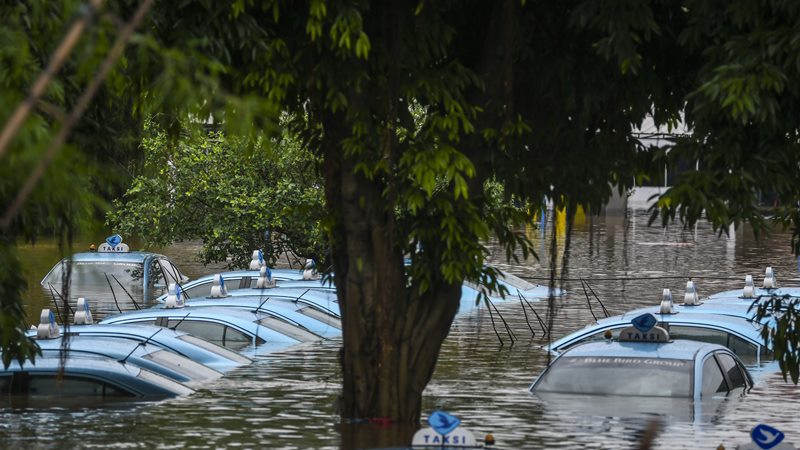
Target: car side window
x,y
199,290
698,334
742,348
46,385
209,331
713,380
732,370
235,338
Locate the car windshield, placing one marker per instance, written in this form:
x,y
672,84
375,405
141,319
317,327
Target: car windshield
x,y
89,279
649,377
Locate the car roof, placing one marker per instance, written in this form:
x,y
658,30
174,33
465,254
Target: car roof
x,y
737,325
676,349
741,310
133,256
740,325
228,314
279,274
736,294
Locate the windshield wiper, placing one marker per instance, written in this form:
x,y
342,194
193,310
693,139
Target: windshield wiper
x,y
136,305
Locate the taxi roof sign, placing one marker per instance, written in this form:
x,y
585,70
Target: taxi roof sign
x,y
444,432
644,329
766,437
113,244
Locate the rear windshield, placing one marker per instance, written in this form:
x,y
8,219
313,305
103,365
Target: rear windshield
x,y
322,316
182,365
214,348
649,377
164,382
288,329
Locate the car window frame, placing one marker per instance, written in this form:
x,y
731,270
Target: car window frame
x,y
711,358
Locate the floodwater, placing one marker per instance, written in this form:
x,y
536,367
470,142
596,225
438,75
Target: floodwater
x,y
288,399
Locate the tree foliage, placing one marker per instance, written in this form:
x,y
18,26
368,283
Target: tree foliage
x,y
92,168
233,196
781,335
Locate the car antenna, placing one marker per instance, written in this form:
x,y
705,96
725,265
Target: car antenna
x,y
262,304
175,327
140,344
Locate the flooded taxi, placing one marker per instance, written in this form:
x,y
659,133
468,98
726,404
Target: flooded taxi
x,y
99,370
116,277
703,323
84,380
232,328
646,361
143,354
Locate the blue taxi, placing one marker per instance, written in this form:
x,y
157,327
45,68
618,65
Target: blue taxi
x,y
199,350
236,329
681,368
115,277
645,360
143,354
81,379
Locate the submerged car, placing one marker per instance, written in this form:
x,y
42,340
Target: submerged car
x,y
142,354
84,379
232,328
645,360
315,318
115,277
147,356
199,350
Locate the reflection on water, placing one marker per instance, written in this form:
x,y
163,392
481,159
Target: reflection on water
x,y
287,399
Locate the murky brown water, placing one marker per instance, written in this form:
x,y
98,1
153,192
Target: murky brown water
x,y
287,400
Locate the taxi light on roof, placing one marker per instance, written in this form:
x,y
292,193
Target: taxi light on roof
x,y
218,289
113,244
310,272
257,260
47,329
174,297
749,288
644,329
666,302
769,279
690,298
83,315
265,280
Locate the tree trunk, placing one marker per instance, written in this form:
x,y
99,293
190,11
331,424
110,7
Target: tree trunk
x,y
391,334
